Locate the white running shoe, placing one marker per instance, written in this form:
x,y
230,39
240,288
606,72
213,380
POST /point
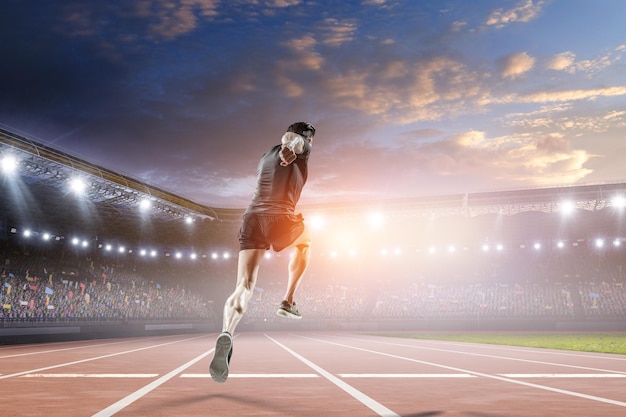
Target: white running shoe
x,y
221,359
289,311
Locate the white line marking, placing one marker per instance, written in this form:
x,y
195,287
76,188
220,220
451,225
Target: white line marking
x,y
586,355
41,352
93,359
373,405
484,355
253,376
129,399
407,376
90,375
496,377
563,375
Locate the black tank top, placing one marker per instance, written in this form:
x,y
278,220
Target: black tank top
x,y
278,187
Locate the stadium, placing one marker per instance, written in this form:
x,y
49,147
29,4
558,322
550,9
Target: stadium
x,y
88,252
109,282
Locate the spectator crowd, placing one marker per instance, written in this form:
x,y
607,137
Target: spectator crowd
x,y
38,286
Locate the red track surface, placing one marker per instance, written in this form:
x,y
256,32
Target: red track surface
x,y
307,374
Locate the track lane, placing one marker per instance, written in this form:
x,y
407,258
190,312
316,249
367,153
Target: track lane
x,y
458,362
401,377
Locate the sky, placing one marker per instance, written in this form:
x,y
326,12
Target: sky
x,y
409,98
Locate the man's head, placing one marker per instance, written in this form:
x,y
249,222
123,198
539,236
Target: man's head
x,y
304,129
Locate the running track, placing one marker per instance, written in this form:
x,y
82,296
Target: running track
x,y
307,374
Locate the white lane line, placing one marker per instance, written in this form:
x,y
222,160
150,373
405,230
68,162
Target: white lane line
x,y
89,376
564,375
484,355
407,376
38,370
496,377
129,399
373,405
586,355
41,352
253,376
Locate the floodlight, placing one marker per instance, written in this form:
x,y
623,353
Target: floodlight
x,y
178,255
485,248
499,247
226,255
376,219
46,236
560,244
537,246
214,255
316,222
121,249
567,207
27,233
153,253
267,255
75,241
9,164
108,248
193,256
85,244
599,243
188,220
143,252
619,201
77,185
145,204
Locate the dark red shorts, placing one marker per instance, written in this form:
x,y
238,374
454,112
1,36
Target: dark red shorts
x,y
262,231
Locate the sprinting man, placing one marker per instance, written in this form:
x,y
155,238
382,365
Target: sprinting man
x,y
270,222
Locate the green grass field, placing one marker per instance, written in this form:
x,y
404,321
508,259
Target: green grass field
x,y
582,342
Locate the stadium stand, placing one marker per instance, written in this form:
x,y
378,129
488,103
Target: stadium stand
x,y
576,278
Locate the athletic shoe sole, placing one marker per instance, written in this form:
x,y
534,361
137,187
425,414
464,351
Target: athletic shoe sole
x,y
287,314
220,362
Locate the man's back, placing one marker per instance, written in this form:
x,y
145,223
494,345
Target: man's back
x,y
279,187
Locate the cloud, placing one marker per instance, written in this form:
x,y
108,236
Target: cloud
x,y
336,32
561,62
375,2
550,120
566,95
566,61
524,12
516,65
282,3
467,160
523,158
405,92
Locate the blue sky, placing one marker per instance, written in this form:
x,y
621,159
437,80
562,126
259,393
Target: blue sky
x,y
410,98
